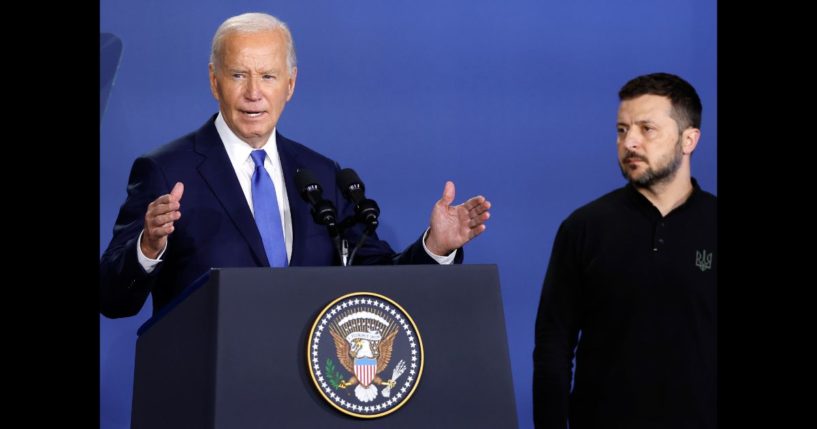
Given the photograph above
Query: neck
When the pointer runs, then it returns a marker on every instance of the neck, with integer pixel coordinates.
(257, 142)
(668, 195)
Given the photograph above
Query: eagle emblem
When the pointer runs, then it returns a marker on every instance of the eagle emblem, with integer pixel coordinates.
(365, 351)
(355, 370)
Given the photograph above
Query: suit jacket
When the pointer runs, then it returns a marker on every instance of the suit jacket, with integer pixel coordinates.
(217, 228)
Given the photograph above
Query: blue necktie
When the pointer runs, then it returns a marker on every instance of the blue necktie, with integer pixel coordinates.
(267, 216)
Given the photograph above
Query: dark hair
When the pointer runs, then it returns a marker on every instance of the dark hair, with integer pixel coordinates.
(686, 105)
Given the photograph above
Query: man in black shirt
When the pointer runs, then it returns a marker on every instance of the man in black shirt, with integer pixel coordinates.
(631, 284)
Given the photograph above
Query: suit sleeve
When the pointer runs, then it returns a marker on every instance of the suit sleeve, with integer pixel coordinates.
(123, 283)
(378, 252)
(557, 326)
(414, 254)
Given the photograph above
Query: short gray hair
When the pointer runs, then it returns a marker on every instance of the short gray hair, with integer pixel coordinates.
(252, 23)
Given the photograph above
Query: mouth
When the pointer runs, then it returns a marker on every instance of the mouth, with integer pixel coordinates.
(252, 113)
(633, 159)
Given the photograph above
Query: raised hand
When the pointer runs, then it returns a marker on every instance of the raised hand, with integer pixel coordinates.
(453, 226)
(159, 219)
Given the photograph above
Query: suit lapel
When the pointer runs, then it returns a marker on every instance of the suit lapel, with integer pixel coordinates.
(219, 174)
(299, 210)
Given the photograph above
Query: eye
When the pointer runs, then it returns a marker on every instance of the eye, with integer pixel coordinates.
(238, 75)
(648, 129)
(269, 77)
(621, 130)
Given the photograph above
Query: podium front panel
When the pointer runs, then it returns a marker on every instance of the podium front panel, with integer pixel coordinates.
(233, 354)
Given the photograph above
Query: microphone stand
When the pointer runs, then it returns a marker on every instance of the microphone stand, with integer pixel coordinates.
(346, 258)
(344, 253)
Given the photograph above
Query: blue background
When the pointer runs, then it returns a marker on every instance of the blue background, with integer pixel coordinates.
(512, 99)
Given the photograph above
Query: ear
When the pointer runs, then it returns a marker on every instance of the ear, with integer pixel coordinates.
(689, 140)
(213, 82)
(292, 77)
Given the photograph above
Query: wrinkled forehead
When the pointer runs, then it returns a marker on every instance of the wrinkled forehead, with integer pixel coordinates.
(268, 46)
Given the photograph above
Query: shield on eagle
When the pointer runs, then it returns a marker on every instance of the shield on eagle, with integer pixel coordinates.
(365, 370)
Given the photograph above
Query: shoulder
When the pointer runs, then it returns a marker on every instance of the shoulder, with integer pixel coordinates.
(702, 201)
(303, 155)
(702, 196)
(600, 208)
(707, 199)
(185, 148)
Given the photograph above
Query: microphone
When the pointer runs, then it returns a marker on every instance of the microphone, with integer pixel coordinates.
(353, 189)
(323, 211)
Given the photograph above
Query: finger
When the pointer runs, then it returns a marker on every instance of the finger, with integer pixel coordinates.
(157, 208)
(479, 220)
(448, 193)
(480, 208)
(171, 199)
(162, 231)
(474, 202)
(177, 191)
(476, 231)
(160, 215)
(168, 207)
(166, 218)
(168, 228)
(158, 230)
(155, 218)
(164, 199)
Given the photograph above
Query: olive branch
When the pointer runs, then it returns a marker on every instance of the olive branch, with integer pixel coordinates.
(332, 374)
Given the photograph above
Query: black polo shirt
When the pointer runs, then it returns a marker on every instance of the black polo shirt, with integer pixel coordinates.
(641, 289)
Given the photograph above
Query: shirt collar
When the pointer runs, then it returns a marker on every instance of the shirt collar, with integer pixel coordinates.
(238, 150)
(641, 201)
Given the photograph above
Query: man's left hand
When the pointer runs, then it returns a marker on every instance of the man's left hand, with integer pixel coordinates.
(453, 226)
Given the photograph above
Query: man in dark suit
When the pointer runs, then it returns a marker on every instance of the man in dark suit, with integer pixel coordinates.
(210, 175)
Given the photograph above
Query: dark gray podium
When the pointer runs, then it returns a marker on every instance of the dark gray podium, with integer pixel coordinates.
(232, 353)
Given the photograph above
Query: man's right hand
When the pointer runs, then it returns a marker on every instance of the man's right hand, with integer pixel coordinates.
(159, 221)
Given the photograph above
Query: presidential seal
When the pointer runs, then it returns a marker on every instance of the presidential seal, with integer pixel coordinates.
(365, 355)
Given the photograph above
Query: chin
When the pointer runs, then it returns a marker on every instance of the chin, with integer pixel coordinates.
(254, 133)
(636, 175)
(633, 175)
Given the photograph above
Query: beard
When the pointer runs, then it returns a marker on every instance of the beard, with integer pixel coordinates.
(665, 169)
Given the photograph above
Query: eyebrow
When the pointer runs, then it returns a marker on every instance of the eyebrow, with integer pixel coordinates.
(245, 70)
(641, 122)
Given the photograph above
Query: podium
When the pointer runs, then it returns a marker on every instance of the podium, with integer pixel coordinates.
(232, 353)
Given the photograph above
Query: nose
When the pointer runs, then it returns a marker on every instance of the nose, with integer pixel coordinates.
(630, 139)
(252, 89)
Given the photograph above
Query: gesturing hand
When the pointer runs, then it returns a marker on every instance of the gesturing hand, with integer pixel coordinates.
(453, 226)
(159, 219)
